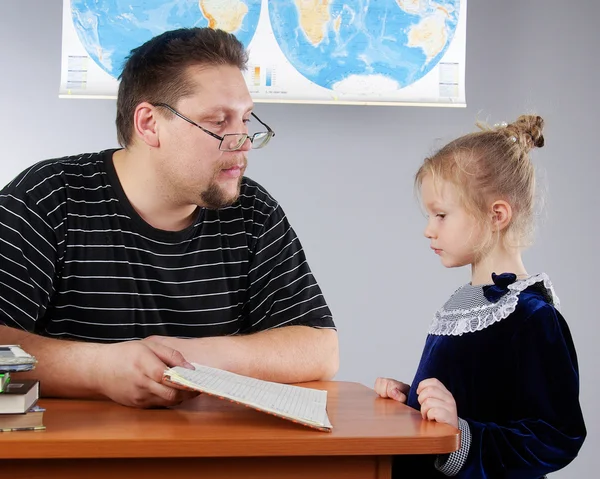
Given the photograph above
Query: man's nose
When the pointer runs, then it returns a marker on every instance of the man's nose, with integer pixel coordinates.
(247, 145)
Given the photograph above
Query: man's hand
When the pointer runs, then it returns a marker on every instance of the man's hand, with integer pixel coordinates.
(437, 403)
(390, 388)
(130, 373)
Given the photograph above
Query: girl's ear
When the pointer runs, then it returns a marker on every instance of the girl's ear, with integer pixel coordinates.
(501, 213)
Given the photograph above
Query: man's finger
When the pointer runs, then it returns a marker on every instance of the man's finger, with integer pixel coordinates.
(169, 356)
(161, 395)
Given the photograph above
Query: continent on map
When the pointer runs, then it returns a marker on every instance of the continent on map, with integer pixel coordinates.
(226, 15)
(430, 35)
(314, 16)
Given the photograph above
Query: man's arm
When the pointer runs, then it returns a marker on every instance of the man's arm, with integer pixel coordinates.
(128, 373)
(33, 228)
(289, 354)
(64, 368)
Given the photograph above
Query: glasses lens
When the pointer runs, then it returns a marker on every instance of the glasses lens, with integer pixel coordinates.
(233, 141)
(259, 140)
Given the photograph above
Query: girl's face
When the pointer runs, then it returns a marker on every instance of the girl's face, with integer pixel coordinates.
(454, 234)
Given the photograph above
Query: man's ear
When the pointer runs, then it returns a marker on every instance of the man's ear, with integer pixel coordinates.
(145, 124)
(501, 213)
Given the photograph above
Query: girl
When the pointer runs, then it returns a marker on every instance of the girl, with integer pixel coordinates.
(499, 362)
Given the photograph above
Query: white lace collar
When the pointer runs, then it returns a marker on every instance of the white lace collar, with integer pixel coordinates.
(455, 322)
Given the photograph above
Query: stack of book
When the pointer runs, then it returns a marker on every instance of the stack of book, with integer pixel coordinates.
(18, 398)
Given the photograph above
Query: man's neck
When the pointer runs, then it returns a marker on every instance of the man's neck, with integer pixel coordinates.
(499, 260)
(146, 193)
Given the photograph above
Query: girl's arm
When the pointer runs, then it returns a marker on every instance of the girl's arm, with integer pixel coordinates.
(546, 397)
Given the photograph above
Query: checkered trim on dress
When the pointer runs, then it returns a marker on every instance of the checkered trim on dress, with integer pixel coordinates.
(468, 310)
(450, 465)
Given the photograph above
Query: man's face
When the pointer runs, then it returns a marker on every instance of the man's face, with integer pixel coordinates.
(194, 170)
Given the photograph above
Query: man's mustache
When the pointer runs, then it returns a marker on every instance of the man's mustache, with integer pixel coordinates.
(241, 161)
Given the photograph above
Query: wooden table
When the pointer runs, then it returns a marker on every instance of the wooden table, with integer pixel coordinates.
(211, 437)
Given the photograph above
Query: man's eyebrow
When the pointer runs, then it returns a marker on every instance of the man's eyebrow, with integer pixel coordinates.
(221, 111)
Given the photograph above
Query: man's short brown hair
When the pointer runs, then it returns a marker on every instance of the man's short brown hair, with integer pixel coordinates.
(155, 72)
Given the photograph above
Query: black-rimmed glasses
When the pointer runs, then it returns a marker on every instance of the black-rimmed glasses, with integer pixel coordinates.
(230, 141)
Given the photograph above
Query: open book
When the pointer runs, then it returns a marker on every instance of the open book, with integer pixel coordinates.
(298, 404)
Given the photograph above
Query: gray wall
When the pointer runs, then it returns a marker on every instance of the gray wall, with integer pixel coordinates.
(344, 174)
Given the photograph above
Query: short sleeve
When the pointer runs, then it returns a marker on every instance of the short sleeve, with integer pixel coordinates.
(283, 290)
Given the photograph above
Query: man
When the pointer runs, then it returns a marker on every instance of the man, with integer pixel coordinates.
(115, 265)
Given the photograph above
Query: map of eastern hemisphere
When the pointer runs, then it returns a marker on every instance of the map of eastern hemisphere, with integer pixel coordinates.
(364, 45)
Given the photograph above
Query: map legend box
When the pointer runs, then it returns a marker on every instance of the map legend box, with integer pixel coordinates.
(77, 70)
(271, 77)
(256, 76)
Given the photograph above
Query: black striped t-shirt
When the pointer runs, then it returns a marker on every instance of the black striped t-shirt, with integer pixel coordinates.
(77, 261)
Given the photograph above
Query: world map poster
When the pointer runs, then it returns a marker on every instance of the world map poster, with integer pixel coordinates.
(300, 51)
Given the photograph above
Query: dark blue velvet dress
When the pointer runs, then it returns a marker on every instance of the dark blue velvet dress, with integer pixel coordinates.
(510, 363)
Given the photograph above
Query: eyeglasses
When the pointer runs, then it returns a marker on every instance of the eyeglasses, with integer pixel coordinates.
(230, 141)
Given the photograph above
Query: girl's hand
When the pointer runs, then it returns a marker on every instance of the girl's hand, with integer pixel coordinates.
(390, 388)
(437, 403)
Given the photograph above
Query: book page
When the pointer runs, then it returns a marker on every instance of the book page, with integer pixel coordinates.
(294, 402)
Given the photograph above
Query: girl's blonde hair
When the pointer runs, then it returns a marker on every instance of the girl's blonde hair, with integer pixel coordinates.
(491, 165)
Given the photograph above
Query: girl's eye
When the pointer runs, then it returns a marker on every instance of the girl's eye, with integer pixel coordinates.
(441, 215)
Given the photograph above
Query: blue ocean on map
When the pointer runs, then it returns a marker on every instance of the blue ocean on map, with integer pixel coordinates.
(353, 45)
(110, 29)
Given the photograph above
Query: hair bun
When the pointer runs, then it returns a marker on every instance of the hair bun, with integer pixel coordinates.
(528, 129)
